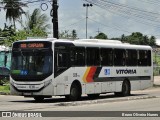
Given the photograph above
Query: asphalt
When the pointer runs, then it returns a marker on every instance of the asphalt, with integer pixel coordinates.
(137, 95)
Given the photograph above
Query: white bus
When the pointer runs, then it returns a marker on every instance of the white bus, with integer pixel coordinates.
(43, 68)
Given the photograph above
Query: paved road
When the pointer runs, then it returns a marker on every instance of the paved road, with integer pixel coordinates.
(21, 103)
(145, 100)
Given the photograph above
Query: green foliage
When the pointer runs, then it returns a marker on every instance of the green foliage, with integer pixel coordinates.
(68, 35)
(139, 39)
(35, 20)
(5, 89)
(8, 32)
(74, 34)
(101, 36)
(13, 9)
(10, 35)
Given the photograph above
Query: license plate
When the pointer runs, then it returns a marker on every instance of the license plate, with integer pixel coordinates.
(32, 87)
(27, 93)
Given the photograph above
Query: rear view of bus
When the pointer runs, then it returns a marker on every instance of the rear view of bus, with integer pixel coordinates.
(32, 68)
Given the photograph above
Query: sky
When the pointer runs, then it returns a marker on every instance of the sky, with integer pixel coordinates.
(137, 16)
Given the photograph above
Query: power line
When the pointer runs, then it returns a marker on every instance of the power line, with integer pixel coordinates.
(117, 28)
(154, 2)
(125, 10)
(74, 23)
(148, 23)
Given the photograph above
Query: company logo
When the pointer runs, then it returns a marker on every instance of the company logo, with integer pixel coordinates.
(24, 72)
(126, 71)
(6, 114)
(21, 114)
(107, 71)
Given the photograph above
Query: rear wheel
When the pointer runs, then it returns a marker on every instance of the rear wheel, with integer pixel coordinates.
(75, 93)
(125, 89)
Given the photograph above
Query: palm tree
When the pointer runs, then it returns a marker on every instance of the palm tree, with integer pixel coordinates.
(36, 20)
(13, 10)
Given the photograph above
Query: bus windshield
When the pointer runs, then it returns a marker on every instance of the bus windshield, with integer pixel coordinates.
(31, 63)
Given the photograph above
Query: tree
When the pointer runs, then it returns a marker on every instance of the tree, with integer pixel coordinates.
(68, 35)
(101, 36)
(6, 34)
(10, 35)
(138, 39)
(145, 40)
(74, 34)
(13, 10)
(36, 20)
(152, 41)
(123, 38)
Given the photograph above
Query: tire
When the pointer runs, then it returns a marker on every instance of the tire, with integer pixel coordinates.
(75, 93)
(125, 89)
(93, 96)
(38, 98)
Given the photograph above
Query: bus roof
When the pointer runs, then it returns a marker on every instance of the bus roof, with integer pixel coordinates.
(93, 43)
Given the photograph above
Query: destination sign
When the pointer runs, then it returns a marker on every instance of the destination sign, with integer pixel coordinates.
(31, 45)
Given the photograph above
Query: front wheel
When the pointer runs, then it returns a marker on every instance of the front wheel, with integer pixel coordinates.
(75, 93)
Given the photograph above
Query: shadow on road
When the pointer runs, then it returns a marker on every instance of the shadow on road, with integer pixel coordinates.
(83, 98)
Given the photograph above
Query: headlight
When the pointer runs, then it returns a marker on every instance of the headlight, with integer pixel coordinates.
(47, 82)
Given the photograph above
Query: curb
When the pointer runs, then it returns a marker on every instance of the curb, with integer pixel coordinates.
(77, 103)
(4, 93)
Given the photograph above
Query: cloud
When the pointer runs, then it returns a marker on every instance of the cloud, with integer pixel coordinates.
(72, 15)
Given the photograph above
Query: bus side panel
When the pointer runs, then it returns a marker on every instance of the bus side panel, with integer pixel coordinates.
(60, 82)
(119, 86)
(145, 84)
(135, 85)
(97, 87)
(64, 81)
(105, 87)
(90, 88)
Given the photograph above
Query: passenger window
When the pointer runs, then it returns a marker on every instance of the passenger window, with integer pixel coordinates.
(149, 58)
(131, 57)
(119, 57)
(143, 58)
(93, 57)
(106, 57)
(77, 56)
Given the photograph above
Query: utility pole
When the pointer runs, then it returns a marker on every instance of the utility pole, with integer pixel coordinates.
(54, 14)
(87, 5)
(98, 31)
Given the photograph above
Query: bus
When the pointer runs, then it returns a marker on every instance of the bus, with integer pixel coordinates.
(5, 57)
(42, 68)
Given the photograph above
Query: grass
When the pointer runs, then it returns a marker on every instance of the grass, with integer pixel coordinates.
(5, 89)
